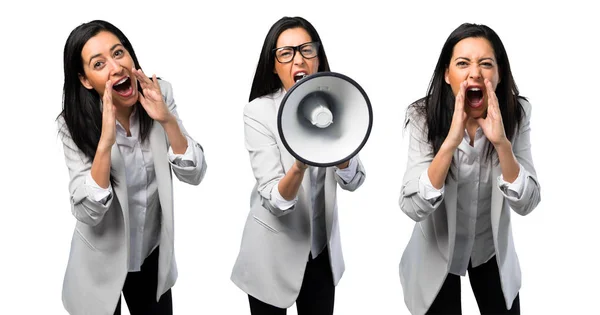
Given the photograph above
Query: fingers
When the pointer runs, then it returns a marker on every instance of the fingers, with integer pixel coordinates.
(460, 97)
(481, 123)
(301, 165)
(492, 100)
(148, 96)
(141, 78)
(142, 99)
(145, 82)
(491, 94)
(107, 97)
(155, 82)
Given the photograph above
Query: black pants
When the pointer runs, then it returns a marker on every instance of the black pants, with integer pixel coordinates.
(485, 282)
(316, 294)
(140, 291)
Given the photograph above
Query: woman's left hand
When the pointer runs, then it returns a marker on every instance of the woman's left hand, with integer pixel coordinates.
(152, 99)
(343, 165)
(492, 125)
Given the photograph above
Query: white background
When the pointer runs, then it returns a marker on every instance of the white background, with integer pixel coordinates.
(209, 53)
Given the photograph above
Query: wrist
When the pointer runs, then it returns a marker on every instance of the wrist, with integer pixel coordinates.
(104, 146)
(503, 146)
(449, 147)
(169, 120)
(102, 154)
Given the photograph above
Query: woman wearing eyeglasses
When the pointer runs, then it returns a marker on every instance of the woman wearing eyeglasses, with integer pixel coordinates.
(290, 249)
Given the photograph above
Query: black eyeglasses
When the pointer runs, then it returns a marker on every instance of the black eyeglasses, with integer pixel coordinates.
(307, 50)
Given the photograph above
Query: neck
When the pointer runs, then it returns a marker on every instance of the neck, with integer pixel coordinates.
(471, 124)
(122, 115)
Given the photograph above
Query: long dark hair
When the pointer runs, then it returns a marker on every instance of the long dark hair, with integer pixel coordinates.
(438, 106)
(265, 80)
(81, 106)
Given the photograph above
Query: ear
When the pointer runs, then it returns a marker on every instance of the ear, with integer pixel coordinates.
(446, 77)
(84, 81)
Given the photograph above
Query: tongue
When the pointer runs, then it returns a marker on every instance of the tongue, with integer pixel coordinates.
(474, 97)
(123, 86)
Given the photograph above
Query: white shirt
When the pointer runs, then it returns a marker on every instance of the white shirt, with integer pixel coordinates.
(317, 183)
(474, 237)
(142, 190)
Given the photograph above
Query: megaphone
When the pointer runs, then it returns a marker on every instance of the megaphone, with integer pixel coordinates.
(325, 119)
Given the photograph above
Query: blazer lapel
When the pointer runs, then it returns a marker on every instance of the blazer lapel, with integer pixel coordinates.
(451, 195)
(497, 202)
(117, 163)
(158, 145)
(330, 196)
(451, 202)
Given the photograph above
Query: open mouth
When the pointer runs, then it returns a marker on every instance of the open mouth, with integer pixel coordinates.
(123, 87)
(299, 76)
(474, 96)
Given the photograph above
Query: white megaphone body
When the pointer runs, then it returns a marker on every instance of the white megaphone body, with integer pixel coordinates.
(325, 119)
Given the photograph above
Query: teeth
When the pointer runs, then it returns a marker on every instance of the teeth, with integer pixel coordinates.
(299, 76)
(121, 81)
(475, 89)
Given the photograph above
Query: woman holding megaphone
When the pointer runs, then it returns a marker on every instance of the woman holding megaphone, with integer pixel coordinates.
(290, 250)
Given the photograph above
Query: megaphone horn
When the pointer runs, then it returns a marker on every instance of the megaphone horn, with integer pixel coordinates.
(325, 119)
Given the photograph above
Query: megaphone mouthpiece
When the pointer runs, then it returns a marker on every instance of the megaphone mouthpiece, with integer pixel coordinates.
(317, 111)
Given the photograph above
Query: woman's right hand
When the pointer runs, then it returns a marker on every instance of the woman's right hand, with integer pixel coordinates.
(109, 125)
(459, 119)
(301, 166)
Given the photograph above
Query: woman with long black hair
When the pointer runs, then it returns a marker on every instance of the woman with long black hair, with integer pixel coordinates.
(469, 163)
(291, 250)
(121, 137)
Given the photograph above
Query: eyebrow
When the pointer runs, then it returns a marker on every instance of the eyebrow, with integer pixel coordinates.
(100, 54)
(278, 48)
(486, 58)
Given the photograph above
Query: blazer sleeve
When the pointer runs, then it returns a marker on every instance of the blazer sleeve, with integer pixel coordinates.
(530, 197)
(83, 206)
(420, 155)
(191, 174)
(265, 157)
(356, 181)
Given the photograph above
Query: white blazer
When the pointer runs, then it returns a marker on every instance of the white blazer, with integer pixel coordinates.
(98, 261)
(275, 245)
(427, 257)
